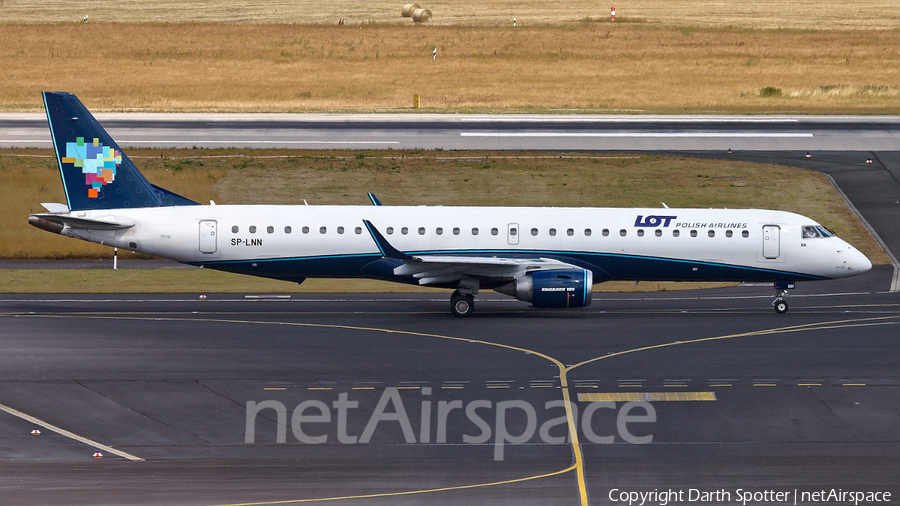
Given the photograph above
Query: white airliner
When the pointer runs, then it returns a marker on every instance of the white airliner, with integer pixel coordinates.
(550, 257)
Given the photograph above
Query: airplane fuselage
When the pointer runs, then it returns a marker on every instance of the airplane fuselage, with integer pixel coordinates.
(297, 242)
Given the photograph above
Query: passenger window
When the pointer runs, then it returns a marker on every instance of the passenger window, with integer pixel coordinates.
(475, 231)
(623, 232)
(640, 232)
(534, 231)
(552, 232)
(605, 232)
(513, 231)
(439, 231)
(404, 230)
(252, 229)
(494, 231)
(287, 230)
(234, 229)
(390, 230)
(745, 234)
(711, 233)
(728, 233)
(570, 232)
(305, 230)
(676, 233)
(455, 230)
(421, 230)
(358, 230)
(322, 230)
(340, 230)
(270, 229)
(658, 233)
(587, 232)
(693, 233)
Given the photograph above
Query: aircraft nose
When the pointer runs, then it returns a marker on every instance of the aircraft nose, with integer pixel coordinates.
(861, 263)
(851, 261)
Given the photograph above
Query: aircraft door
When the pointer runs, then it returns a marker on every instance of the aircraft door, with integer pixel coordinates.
(771, 241)
(512, 233)
(207, 236)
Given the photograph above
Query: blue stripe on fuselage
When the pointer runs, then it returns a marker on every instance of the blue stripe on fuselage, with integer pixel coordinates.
(613, 266)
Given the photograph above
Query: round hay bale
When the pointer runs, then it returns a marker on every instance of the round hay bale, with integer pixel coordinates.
(407, 10)
(421, 15)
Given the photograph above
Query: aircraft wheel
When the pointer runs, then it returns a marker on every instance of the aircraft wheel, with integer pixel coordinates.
(781, 306)
(462, 305)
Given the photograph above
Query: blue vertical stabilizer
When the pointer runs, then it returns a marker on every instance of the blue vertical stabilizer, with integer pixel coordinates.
(96, 173)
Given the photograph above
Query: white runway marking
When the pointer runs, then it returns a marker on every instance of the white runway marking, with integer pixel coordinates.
(238, 141)
(630, 119)
(718, 135)
(64, 432)
(143, 141)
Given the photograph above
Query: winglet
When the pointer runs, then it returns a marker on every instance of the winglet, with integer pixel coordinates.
(384, 247)
(374, 199)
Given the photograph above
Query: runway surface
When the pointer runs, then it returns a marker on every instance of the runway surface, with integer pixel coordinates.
(481, 132)
(796, 402)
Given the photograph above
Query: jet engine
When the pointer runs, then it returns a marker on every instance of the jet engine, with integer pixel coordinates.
(558, 288)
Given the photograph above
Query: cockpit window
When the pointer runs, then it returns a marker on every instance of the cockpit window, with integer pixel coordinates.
(815, 232)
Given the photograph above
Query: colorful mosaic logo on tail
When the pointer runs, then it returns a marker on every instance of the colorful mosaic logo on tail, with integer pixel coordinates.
(97, 162)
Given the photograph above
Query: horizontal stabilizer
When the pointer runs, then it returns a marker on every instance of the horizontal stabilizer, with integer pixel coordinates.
(55, 222)
(54, 207)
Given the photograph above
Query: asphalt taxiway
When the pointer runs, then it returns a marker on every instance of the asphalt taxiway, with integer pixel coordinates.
(801, 401)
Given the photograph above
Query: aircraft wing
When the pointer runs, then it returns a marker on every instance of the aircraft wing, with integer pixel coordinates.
(437, 269)
(447, 268)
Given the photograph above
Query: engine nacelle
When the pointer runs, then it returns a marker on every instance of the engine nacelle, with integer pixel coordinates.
(560, 288)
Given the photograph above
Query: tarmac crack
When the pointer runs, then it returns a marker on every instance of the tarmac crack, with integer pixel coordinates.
(145, 415)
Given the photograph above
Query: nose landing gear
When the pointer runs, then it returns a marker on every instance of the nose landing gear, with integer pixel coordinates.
(780, 305)
(781, 288)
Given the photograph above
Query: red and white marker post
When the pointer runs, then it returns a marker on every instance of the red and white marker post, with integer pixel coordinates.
(612, 13)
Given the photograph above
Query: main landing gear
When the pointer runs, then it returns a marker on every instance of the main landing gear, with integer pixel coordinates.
(781, 288)
(462, 305)
(462, 302)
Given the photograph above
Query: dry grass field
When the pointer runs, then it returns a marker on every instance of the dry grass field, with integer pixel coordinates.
(29, 177)
(802, 14)
(586, 66)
